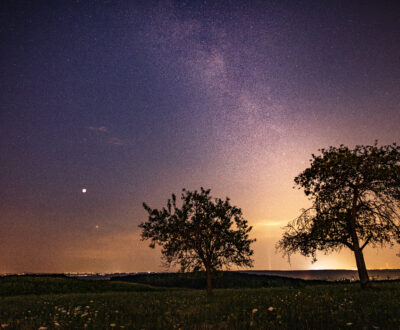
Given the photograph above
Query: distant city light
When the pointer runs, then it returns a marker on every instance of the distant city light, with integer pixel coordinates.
(84, 190)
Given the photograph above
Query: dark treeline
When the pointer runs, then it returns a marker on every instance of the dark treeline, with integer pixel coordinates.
(221, 280)
(59, 284)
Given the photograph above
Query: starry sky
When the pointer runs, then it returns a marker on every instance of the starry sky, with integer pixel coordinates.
(134, 100)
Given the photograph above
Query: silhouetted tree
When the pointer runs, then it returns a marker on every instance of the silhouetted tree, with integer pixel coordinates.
(356, 202)
(202, 234)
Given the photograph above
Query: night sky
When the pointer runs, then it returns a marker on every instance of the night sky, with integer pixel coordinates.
(136, 100)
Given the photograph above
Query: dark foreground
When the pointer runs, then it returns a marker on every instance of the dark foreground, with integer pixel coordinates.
(116, 305)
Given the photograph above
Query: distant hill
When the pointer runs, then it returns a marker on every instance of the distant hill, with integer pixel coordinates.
(221, 280)
(47, 284)
(330, 274)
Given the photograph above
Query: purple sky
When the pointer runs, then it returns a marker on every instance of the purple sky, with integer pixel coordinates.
(136, 100)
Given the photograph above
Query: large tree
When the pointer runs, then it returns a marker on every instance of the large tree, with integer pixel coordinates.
(355, 196)
(202, 234)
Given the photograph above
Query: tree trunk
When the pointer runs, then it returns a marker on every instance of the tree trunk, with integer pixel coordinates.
(209, 281)
(362, 269)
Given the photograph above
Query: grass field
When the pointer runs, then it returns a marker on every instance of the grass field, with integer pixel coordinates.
(108, 305)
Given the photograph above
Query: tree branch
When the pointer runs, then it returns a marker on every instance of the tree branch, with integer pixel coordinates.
(366, 242)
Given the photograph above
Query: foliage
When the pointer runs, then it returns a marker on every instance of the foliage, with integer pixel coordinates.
(202, 234)
(353, 192)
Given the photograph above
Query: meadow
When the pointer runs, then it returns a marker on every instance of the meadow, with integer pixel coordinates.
(66, 303)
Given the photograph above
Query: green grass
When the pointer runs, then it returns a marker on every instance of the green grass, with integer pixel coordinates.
(332, 306)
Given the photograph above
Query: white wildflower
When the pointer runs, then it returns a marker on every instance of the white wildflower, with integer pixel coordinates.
(255, 310)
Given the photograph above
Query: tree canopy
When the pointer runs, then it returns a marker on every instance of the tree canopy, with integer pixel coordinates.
(355, 196)
(201, 234)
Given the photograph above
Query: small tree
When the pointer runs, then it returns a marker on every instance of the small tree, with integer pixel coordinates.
(356, 202)
(203, 234)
